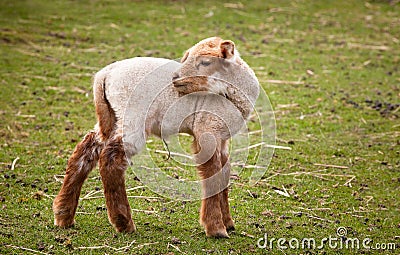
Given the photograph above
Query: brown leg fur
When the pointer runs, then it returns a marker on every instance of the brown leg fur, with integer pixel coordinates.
(226, 215)
(113, 164)
(105, 114)
(210, 214)
(81, 162)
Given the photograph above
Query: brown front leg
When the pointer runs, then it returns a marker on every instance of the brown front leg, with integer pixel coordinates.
(226, 215)
(113, 164)
(210, 214)
(81, 162)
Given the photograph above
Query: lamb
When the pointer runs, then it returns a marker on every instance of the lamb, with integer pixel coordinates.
(211, 93)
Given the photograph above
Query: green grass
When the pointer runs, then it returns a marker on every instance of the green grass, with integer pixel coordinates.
(346, 113)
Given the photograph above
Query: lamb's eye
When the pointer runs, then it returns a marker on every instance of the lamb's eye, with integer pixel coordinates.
(205, 63)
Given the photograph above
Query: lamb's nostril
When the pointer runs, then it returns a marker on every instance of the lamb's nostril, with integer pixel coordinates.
(175, 76)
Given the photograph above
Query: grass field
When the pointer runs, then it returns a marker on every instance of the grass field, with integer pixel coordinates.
(337, 106)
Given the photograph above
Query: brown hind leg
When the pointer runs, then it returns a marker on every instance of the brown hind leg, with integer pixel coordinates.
(113, 164)
(81, 162)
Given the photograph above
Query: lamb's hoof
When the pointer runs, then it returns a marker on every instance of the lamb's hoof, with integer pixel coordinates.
(220, 233)
(63, 221)
(131, 227)
(230, 225)
(230, 228)
(63, 218)
(128, 228)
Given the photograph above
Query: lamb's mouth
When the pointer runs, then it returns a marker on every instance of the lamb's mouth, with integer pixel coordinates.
(179, 84)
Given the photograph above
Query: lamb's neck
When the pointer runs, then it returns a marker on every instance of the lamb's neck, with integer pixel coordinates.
(240, 86)
(239, 100)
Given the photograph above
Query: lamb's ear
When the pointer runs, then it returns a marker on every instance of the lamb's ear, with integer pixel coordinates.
(227, 49)
(185, 56)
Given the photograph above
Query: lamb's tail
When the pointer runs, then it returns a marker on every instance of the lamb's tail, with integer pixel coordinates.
(105, 114)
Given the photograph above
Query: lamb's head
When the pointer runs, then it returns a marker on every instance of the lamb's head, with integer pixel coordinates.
(208, 58)
(215, 65)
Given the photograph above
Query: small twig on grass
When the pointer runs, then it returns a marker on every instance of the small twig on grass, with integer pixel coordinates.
(135, 188)
(251, 132)
(90, 194)
(31, 116)
(283, 193)
(60, 89)
(285, 82)
(144, 211)
(265, 145)
(175, 247)
(348, 183)
(95, 247)
(28, 53)
(315, 209)
(331, 166)
(250, 194)
(121, 249)
(145, 197)
(246, 234)
(250, 147)
(25, 249)
(80, 91)
(318, 218)
(357, 216)
(59, 177)
(356, 211)
(106, 246)
(369, 198)
(367, 47)
(282, 106)
(13, 163)
(278, 147)
(137, 247)
(142, 197)
(47, 195)
(319, 175)
(238, 5)
(78, 75)
(270, 177)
